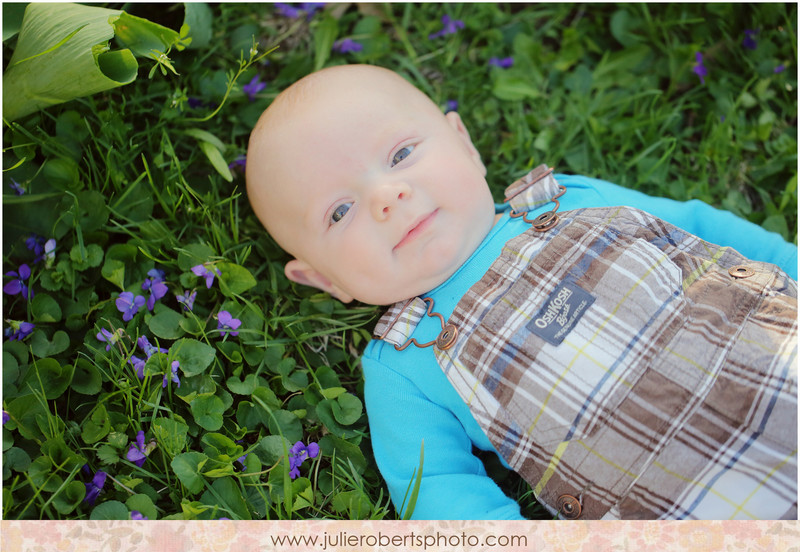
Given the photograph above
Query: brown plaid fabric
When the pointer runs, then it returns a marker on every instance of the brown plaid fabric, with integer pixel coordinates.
(628, 369)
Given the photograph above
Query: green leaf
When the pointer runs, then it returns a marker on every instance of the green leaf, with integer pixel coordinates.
(144, 37)
(142, 504)
(166, 324)
(170, 434)
(207, 410)
(97, 426)
(272, 448)
(110, 510)
(193, 355)
(42, 475)
(69, 497)
(61, 455)
(49, 376)
(325, 34)
(88, 257)
(234, 279)
(245, 387)
(16, 459)
(287, 424)
(199, 18)
(226, 494)
(42, 347)
(87, 378)
(187, 467)
(45, 309)
(347, 409)
(217, 160)
(71, 68)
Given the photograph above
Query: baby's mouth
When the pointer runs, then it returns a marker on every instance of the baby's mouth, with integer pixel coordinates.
(416, 229)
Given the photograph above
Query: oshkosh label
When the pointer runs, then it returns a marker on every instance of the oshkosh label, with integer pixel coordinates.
(561, 313)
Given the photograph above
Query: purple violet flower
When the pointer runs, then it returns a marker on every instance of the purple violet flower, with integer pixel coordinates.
(18, 285)
(238, 163)
(779, 69)
(17, 331)
(19, 190)
(452, 105)
(253, 87)
(202, 270)
(227, 323)
(147, 348)
(138, 451)
(138, 365)
(155, 283)
(503, 63)
(287, 10)
(699, 69)
(7, 417)
(109, 338)
(346, 46)
(95, 487)
(187, 299)
(137, 515)
(293, 12)
(298, 454)
(36, 244)
(749, 41)
(175, 378)
(449, 26)
(129, 305)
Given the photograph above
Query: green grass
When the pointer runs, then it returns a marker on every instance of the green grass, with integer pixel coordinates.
(124, 183)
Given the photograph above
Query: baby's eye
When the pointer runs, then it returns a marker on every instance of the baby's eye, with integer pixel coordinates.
(339, 213)
(401, 154)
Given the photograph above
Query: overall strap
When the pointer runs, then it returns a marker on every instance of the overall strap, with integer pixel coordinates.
(533, 190)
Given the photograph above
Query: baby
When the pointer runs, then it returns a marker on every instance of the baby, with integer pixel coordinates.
(623, 366)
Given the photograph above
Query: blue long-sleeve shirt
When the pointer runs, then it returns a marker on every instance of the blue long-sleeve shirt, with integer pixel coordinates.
(409, 399)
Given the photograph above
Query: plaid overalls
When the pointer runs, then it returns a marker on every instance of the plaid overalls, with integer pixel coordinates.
(626, 368)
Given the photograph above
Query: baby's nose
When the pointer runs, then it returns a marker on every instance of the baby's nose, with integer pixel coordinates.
(386, 198)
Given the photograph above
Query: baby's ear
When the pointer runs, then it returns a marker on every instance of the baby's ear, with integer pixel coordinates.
(455, 121)
(303, 273)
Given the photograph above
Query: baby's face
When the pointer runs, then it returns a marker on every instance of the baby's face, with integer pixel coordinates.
(378, 195)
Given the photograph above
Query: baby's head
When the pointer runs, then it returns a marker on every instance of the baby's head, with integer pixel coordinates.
(375, 192)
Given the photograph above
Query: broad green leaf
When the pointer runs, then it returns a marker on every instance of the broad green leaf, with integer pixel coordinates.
(272, 448)
(245, 387)
(49, 376)
(42, 474)
(45, 309)
(86, 378)
(81, 66)
(193, 355)
(166, 324)
(69, 497)
(226, 493)
(283, 422)
(347, 409)
(187, 467)
(110, 510)
(16, 459)
(63, 458)
(199, 18)
(234, 279)
(170, 434)
(207, 410)
(97, 426)
(142, 504)
(43, 347)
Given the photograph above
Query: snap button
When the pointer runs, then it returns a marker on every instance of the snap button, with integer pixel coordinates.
(447, 337)
(569, 507)
(741, 271)
(545, 221)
